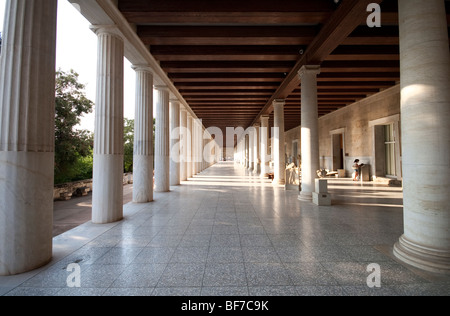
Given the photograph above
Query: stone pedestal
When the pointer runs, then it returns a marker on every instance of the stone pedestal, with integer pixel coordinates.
(162, 141)
(309, 130)
(425, 111)
(175, 157)
(107, 197)
(321, 197)
(143, 137)
(278, 143)
(27, 114)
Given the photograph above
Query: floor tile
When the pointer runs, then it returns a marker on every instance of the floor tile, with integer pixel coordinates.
(321, 291)
(154, 255)
(225, 274)
(225, 291)
(225, 255)
(260, 254)
(128, 292)
(182, 275)
(140, 276)
(267, 274)
(176, 291)
(273, 291)
(190, 255)
(309, 274)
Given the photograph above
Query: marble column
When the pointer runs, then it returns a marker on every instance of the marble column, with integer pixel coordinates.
(107, 195)
(256, 158)
(143, 136)
(194, 147)
(247, 151)
(183, 148)
(175, 142)
(264, 143)
(425, 111)
(309, 130)
(278, 143)
(251, 148)
(27, 119)
(189, 131)
(162, 141)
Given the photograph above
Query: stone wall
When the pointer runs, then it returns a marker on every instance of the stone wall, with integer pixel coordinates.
(356, 122)
(66, 191)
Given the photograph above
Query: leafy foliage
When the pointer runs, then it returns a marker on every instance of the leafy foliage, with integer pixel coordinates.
(128, 140)
(73, 148)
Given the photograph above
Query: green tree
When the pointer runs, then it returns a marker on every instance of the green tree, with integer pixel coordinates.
(128, 141)
(72, 146)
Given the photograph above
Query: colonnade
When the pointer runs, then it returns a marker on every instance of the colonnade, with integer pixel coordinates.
(27, 77)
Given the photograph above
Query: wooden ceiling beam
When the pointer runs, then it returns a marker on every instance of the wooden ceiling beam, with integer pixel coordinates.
(348, 16)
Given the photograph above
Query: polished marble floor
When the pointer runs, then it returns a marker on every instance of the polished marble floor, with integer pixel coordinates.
(228, 233)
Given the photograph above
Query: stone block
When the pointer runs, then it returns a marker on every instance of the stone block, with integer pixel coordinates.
(321, 199)
(321, 186)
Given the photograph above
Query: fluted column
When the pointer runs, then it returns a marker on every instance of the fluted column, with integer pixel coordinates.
(247, 160)
(194, 147)
(251, 148)
(175, 144)
(309, 130)
(189, 131)
(425, 110)
(279, 151)
(256, 158)
(27, 114)
(107, 196)
(264, 140)
(143, 136)
(183, 143)
(162, 141)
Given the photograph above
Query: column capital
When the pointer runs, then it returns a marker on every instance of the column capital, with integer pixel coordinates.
(106, 29)
(174, 101)
(279, 102)
(142, 68)
(161, 88)
(309, 69)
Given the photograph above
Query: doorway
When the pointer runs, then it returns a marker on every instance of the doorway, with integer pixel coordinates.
(337, 143)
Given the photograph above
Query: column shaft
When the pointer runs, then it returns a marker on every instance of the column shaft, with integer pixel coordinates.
(27, 114)
(189, 131)
(143, 137)
(183, 149)
(251, 148)
(162, 141)
(279, 150)
(264, 146)
(256, 162)
(175, 142)
(309, 130)
(107, 196)
(425, 110)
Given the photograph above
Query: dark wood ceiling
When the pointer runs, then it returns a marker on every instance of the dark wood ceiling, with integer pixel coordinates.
(230, 59)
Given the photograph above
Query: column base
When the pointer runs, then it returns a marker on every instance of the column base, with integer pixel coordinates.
(425, 258)
(305, 196)
(279, 182)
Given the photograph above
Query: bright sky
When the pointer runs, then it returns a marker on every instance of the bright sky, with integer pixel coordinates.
(77, 50)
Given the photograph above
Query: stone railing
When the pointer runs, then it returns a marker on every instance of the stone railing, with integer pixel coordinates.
(64, 192)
